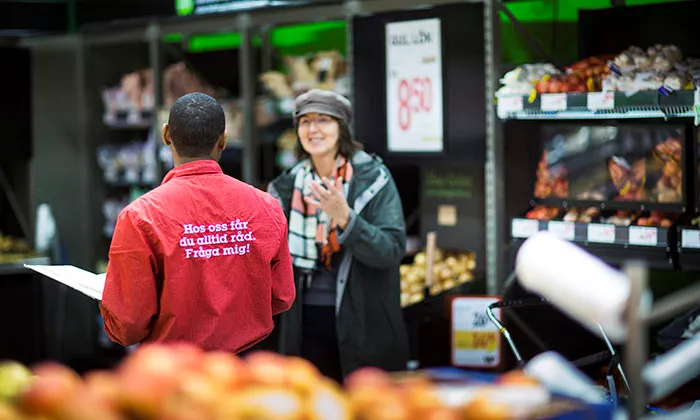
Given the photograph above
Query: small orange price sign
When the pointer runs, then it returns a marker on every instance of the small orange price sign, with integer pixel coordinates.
(476, 340)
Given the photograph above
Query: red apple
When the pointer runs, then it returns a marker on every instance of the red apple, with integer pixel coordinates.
(327, 402)
(225, 370)
(104, 386)
(8, 412)
(516, 377)
(301, 375)
(269, 403)
(266, 368)
(51, 388)
(368, 377)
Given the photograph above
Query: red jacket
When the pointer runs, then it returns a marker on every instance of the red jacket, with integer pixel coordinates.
(202, 258)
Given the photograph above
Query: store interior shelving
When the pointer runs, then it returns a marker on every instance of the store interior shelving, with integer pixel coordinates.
(611, 87)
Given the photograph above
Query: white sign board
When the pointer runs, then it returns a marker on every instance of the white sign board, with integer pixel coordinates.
(414, 86)
(476, 341)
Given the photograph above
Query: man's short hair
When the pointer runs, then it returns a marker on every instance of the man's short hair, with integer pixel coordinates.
(196, 122)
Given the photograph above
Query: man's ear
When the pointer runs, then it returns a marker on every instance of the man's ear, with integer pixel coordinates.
(165, 135)
(221, 143)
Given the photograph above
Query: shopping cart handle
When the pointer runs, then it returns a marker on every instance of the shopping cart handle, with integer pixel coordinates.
(515, 303)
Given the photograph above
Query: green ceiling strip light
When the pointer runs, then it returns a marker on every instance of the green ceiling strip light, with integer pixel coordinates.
(173, 38)
(316, 36)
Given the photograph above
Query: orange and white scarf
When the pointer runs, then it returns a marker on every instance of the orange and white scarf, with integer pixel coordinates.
(309, 227)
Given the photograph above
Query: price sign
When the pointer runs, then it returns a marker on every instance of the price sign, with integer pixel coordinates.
(645, 236)
(564, 230)
(601, 100)
(602, 234)
(553, 102)
(414, 86)
(508, 104)
(690, 238)
(475, 338)
(524, 228)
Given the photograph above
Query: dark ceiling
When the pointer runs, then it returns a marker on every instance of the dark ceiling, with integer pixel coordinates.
(30, 17)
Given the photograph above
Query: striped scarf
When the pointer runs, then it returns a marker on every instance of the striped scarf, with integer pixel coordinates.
(309, 227)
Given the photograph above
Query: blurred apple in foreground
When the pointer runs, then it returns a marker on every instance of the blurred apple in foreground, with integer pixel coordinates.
(8, 412)
(104, 386)
(301, 375)
(327, 402)
(368, 377)
(266, 368)
(14, 377)
(224, 370)
(53, 387)
(266, 403)
(516, 377)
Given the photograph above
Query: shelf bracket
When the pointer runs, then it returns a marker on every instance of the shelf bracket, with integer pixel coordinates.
(248, 83)
(10, 194)
(493, 169)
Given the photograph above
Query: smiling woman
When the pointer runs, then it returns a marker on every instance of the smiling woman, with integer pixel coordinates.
(347, 238)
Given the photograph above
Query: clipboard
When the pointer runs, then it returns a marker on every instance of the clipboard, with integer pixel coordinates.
(83, 281)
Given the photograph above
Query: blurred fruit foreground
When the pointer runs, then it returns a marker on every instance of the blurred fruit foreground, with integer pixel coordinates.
(181, 382)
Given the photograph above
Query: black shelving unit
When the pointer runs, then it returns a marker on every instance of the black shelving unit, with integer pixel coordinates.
(599, 106)
(689, 248)
(660, 247)
(612, 243)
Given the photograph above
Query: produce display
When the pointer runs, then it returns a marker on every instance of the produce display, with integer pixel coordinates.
(134, 95)
(13, 250)
(630, 163)
(596, 215)
(551, 182)
(182, 382)
(659, 67)
(128, 163)
(450, 269)
(323, 70)
(10, 245)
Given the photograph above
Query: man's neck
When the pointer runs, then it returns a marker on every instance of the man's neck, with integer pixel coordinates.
(182, 160)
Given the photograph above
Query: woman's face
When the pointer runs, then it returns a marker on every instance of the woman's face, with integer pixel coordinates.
(319, 135)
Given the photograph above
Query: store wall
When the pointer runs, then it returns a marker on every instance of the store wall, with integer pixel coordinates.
(60, 178)
(15, 126)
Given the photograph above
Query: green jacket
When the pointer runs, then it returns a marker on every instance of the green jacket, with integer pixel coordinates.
(369, 319)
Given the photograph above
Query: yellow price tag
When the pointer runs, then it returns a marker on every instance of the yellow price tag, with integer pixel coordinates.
(476, 340)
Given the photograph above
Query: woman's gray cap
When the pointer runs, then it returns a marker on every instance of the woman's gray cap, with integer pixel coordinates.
(325, 102)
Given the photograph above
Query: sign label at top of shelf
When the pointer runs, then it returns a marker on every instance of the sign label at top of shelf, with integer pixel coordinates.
(208, 7)
(642, 235)
(524, 228)
(601, 233)
(414, 86)
(690, 238)
(601, 100)
(564, 230)
(553, 102)
(508, 104)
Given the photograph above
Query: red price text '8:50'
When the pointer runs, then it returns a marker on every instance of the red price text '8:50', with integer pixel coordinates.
(415, 96)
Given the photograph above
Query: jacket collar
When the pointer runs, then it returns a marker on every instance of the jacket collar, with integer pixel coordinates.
(197, 167)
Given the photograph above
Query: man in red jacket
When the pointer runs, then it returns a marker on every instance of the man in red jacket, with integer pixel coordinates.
(202, 258)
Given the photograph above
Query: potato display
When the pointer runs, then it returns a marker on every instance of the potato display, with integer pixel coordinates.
(449, 270)
(8, 244)
(179, 381)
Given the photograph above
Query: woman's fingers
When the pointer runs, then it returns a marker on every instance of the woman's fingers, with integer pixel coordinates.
(312, 202)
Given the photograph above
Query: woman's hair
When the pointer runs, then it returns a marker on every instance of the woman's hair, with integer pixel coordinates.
(346, 145)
